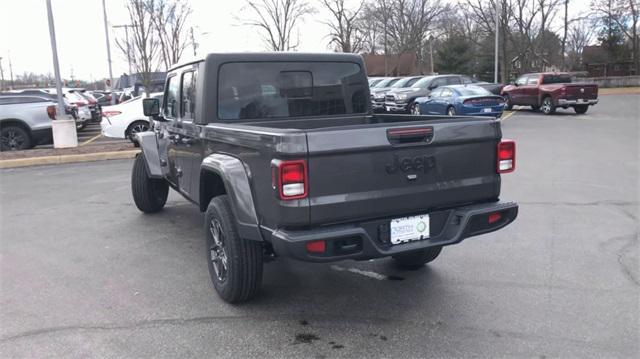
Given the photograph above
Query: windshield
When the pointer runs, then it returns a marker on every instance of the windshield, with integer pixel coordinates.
(386, 83)
(472, 91)
(423, 82)
(249, 90)
(405, 82)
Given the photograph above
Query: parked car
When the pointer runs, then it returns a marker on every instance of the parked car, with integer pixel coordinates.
(284, 165)
(401, 100)
(70, 108)
(374, 80)
(468, 100)
(550, 90)
(84, 113)
(92, 103)
(103, 98)
(25, 121)
(125, 120)
(378, 90)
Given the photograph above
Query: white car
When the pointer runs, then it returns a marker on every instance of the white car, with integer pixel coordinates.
(126, 119)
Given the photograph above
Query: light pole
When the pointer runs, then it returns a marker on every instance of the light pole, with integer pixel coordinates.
(495, 61)
(126, 35)
(106, 35)
(1, 75)
(431, 53)
(63, 128)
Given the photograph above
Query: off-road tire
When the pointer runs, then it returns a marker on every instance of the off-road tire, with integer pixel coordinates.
(581, 109)
(547, 107)
(415, 260)
(149, 194)
(244, 257)
(508, 105)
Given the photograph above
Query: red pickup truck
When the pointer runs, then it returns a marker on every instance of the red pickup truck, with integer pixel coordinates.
(548, 91)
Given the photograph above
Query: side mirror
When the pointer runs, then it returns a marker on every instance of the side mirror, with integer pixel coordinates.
(515, 84)
(151, 108)
(432, 86)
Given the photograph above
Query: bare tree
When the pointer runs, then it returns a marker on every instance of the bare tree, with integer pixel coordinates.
(580, 34)
(345, 32)
(370, 28)
(144, 43)
(277, 19)
(169, 19)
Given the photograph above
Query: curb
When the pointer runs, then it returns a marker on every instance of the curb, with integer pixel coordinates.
(60, 159)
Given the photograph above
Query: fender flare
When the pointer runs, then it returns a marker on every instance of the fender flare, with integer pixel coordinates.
(149, 146)
(238, 189)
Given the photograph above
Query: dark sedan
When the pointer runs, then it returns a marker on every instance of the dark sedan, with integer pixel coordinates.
(469, 100)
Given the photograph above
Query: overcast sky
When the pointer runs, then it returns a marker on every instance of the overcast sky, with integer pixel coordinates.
(81, 41)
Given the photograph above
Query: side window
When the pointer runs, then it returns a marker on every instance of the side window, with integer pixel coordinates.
(438, 82)
(453, 80)
(436, 93)
(466, 80)
(522, 80)
(446, 93)
(171, 95)
(533, 80)
(188, 95)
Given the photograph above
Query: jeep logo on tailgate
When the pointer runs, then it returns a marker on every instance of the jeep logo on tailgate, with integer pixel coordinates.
(411, 164)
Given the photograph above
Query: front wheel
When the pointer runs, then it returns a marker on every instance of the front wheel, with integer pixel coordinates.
(135, 128)
(235, 263)
(508, 104)
(414, 260)
(581, 109)
(149, 194)
(451, 111)
(548, 107)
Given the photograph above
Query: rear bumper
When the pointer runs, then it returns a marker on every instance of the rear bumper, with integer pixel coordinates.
(370, 239)
(565, 102)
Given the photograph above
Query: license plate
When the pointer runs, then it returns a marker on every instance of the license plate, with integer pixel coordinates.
(409, 229)
(487, 109)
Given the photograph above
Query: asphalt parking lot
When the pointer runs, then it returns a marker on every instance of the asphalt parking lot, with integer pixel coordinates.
(83, 273)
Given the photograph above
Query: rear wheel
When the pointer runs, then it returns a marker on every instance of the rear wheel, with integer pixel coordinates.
(508, 105)
(149, 194)
(451, 111)
(134, 128)
(235, 263)
(581, 109)
(547, 106)
(13, 138)
(414, 260)
(415, 109)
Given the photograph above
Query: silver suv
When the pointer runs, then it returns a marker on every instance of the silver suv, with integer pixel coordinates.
(25, 121)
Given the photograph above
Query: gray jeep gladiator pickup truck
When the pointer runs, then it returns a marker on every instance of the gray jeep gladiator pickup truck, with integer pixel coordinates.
(284, 156)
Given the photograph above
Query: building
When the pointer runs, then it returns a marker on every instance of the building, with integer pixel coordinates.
(598, 63)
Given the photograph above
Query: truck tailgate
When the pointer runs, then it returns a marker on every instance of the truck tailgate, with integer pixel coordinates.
(577, 91)
(385, 170)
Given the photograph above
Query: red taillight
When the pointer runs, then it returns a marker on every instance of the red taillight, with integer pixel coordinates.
(494, 217)
(110, 113)
(51, 112)
(292, 179)
(316, 246)
(506, 156)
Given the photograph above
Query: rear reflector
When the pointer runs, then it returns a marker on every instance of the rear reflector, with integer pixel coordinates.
(506, 154)
(316, 247)
(494, 217)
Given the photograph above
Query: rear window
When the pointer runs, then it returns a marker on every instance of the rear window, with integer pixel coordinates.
(556, 79)
(290, 89)
(472, 91)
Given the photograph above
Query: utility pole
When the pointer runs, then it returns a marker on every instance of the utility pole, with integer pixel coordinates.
(126, 35)
(194, 44)
(2, 75)
(10, 72)
(63, 128)
(431, 53)
(495, 64)
(106, 35)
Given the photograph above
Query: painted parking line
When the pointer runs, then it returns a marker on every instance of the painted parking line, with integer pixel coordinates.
(508, 115)
(91, 139)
